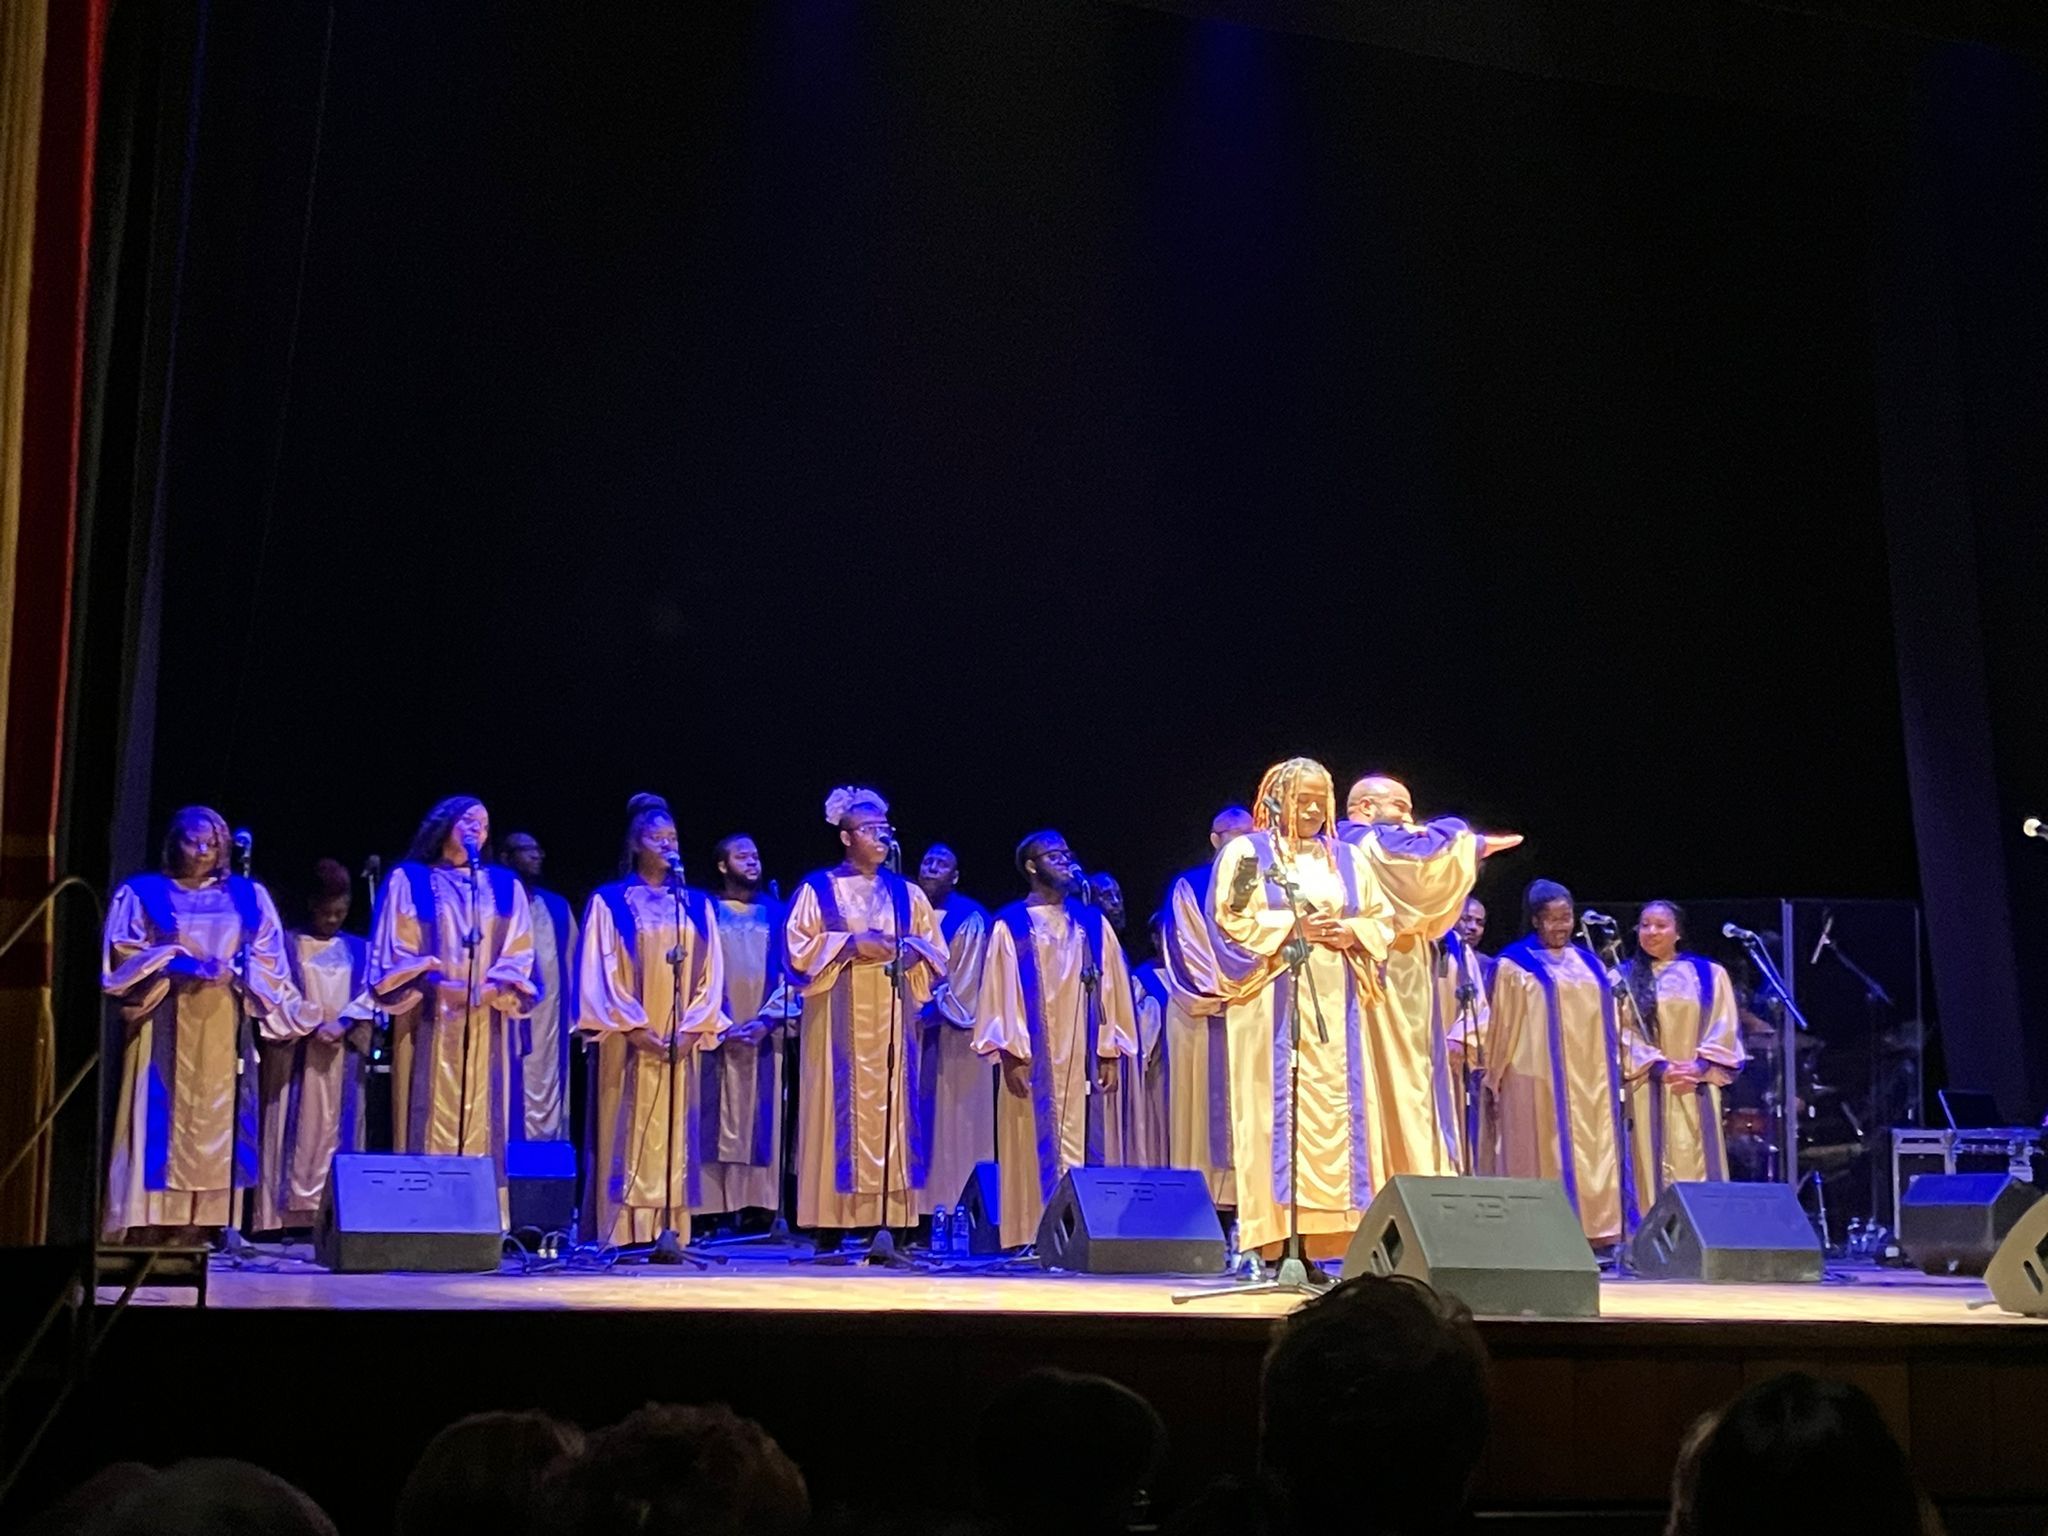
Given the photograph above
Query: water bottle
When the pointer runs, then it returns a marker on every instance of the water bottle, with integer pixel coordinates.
(963, 1246)
(942, 1231)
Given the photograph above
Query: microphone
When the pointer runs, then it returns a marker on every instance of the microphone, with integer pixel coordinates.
(1827, 927)
(674, 860)
(2033, 827)
(1597, 920)
(1272, 807)
(472, 852)
(775, 892)
(373, 870)
(245, 843)
(1731, 931)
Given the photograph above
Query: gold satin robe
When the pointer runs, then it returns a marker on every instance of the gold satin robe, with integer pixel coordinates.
(1002, 1025)
(1199, 1129)
(963, 1128)
(1337, 1085)
(312, 1090)
(420, 980)
(1427, 873)
(179, 1055)
(1678, 1130)
(1525, 1064)
(1136, 1108)
(544, 1089)
(732, 1181)
(640, 1163)
(853, 1024)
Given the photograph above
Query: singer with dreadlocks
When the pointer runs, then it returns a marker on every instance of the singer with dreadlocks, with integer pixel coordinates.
(313, 1078)
(860, 1149)
(190, 951)
(1322, 973)
(1056, 1010)
(451, 963)
(1683, 1047)
(650, 988)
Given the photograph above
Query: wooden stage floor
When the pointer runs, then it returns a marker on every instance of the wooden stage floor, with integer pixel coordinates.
(1589, 1412)
(1856, 1299)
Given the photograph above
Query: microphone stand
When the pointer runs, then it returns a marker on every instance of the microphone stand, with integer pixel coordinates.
(1298, 1274)
(1775, 980)
(233, 1245)
(1876, 1004)
(380, 1021)
(1624, 1111)
(1471, 1069)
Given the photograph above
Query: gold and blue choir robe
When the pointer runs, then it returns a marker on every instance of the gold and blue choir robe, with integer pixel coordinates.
(641, 1174)
(1137, 1106)
(1056, 995)
(853, 1111)
(739, 1082)
(957, 1085)
(1426, 872)
(1678, 1128)
(1552, 1065)
(419, 974)
(313, 1089)
(1337, 1178)
(184, 1136)
(542, 1037)
(1197, 1040)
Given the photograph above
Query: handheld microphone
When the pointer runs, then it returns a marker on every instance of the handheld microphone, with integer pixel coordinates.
(2033, 827)
(1827, 927)
(1731, 931)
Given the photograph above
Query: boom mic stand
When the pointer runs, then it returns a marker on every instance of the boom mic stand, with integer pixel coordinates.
(1298, 1275)
(1760, 957)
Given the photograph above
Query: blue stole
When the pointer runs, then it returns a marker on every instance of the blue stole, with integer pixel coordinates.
(153, 892)
(711, 1074)
(1525, 954)
(839, 1016)
(1017, 918)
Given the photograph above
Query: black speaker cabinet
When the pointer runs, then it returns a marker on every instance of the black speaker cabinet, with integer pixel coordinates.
(1505, 1247)
(2018, 1272)
(540, 1185)
(1952, 1223)
(982, 1195)
(1727, 1234)
(386, 1210)
(1131, 1221)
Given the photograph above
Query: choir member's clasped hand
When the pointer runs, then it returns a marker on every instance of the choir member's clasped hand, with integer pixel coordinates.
(1327, 932)
(874, 945)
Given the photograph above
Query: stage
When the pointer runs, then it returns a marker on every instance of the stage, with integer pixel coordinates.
(856, 1370)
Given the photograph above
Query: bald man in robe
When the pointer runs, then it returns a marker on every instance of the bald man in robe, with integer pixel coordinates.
(1197, 1049)
(1427, 871)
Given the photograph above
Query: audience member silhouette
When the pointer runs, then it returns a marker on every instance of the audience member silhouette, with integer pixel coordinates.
(478, 1477)
(667, 1470)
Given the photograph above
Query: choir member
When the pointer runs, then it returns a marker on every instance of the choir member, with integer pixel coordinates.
(650, 989)
(1127, 1120)
(1056, 1011)
(1551, 1063)
(190, 951)
(860, 1150)
(1324, 973)
(1426, 871)
(958, 1087)
(1142, 1092)
(542, 1037)
(312, 1083)
(1464, 988)
(739, 1083)
(1684, 1047)
(451, 964)
(1197, 1048)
